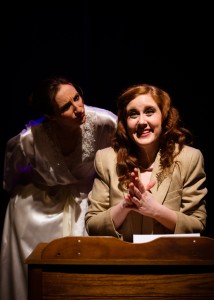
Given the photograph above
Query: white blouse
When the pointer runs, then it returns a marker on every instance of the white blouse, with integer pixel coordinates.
(48, 191)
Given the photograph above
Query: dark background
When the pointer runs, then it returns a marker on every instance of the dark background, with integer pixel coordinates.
(106, 46)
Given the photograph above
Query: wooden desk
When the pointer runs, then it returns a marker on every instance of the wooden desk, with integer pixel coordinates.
(107, 268)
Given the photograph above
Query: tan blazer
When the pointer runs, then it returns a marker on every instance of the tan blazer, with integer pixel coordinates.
(182, 190)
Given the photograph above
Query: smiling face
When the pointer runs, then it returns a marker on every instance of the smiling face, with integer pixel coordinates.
(144, 121)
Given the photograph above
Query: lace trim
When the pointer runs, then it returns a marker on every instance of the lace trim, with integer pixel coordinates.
(88, 136)
(87, 149)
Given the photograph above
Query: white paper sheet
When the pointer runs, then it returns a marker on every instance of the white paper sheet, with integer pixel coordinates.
(144, 238)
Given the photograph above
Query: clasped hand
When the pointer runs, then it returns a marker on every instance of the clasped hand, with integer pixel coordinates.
(139, 197)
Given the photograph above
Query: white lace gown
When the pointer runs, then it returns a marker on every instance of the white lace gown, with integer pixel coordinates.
(48, 192)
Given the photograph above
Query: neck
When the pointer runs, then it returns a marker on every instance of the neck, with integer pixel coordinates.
(147, 159)
(149, 169)
(67, 137)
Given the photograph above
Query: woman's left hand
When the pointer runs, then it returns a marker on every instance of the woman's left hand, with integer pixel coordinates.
(140, 195)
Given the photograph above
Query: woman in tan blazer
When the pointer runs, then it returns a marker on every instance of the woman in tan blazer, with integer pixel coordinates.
(151, 181)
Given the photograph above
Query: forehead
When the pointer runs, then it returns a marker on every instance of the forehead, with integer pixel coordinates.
(65, 93)
(141, 101)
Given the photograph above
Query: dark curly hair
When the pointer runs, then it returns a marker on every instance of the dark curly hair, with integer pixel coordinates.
(42, 99)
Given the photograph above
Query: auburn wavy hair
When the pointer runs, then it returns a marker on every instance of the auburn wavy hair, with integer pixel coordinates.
(173, 131)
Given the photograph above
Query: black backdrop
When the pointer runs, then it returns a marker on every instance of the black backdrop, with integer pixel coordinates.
(106, 46)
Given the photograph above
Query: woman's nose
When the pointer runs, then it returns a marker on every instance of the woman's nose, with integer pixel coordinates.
(142, 120)
(77, 108)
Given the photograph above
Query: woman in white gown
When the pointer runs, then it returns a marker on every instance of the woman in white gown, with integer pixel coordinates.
(48, 172)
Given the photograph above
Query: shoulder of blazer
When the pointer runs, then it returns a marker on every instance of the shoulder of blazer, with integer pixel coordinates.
(107, 151)
(106, 156)
(189, 151)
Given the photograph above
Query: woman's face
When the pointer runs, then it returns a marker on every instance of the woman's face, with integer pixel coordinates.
(144, 120)
(69, 108)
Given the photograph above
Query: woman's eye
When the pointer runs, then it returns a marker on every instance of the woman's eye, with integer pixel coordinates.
(132, 114)
(76, 97)
(150, 111)
(65, 107)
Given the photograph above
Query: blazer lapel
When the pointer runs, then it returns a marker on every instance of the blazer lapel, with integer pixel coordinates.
(160, 189)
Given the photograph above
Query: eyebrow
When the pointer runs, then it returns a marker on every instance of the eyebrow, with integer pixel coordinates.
(69, 103)
(65, 106)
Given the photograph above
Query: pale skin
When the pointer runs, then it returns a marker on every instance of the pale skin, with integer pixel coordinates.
(69, 115)
(144, 120)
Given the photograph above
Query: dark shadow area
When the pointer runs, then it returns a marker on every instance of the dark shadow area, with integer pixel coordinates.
(106, 46)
